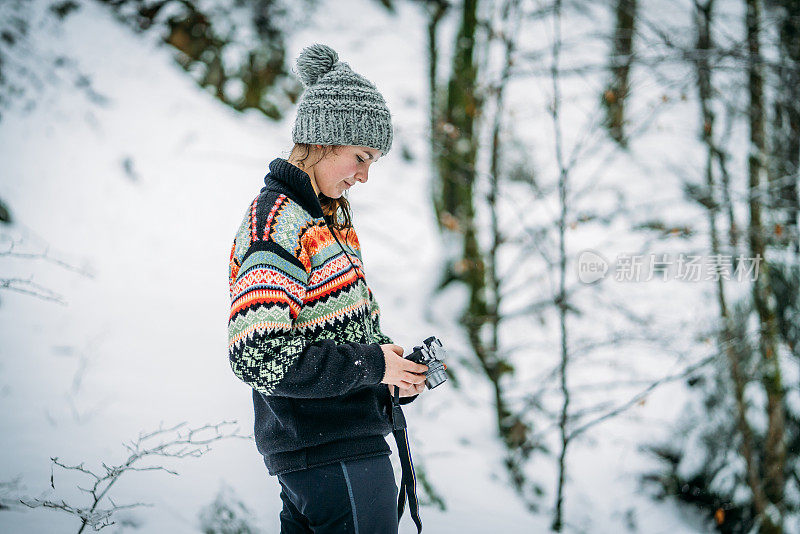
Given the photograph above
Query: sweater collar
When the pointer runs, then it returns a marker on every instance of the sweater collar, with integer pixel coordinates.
(297, 181)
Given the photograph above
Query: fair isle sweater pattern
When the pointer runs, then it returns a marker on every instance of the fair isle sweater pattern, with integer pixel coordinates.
(304, 331)
(284, 300)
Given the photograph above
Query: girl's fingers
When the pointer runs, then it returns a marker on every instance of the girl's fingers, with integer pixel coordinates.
(414, 367)
(409, 388)
(412, 378)
(412, 389)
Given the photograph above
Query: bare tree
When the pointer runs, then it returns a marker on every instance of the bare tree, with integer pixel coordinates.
(729, 342)
(27, 286)
(563, 187)
(774, 446)
(621, 59)
(178, 441)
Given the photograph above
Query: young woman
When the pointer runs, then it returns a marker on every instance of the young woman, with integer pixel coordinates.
(304, 328)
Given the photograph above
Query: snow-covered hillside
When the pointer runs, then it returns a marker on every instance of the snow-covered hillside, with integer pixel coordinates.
(143, 185)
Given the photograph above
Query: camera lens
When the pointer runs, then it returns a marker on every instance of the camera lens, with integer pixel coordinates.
(435, 374)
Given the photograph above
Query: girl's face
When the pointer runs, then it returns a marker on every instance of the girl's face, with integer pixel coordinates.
(341, 168)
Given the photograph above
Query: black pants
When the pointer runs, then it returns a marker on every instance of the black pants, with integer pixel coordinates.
(349, 497)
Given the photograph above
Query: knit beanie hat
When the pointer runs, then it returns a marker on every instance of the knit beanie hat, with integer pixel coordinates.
(339, 106)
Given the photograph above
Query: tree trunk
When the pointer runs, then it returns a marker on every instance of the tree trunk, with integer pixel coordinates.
(727, 338)
(436, 10)
(786, 156)
(774, 445)
(458, 150)
(456, 177)
(561, 299)
(513, 431)
(621, 59)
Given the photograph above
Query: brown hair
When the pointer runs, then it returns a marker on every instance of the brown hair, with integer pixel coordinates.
(330, 206)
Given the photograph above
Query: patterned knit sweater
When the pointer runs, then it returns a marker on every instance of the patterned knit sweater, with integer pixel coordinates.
(304, 331)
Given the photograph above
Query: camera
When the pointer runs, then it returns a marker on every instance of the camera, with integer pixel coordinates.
(431, 354)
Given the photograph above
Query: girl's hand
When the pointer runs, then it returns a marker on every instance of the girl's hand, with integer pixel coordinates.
(400, 372)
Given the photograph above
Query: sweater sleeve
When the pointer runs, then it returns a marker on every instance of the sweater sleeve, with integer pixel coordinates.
(268, 286)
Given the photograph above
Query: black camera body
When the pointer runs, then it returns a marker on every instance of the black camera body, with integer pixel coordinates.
(431, 354)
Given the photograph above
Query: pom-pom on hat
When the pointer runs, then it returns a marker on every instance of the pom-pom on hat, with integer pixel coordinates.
(339, 106)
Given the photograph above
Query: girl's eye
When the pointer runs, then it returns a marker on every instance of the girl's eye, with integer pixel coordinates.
(360, 160)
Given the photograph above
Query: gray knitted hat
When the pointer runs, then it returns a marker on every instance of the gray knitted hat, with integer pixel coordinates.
(339, 107)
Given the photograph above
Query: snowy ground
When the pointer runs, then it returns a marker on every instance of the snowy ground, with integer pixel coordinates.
(146, 336)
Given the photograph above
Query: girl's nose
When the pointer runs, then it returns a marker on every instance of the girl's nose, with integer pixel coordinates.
(362, 176)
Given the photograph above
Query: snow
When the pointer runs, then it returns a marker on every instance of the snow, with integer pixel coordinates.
(143, 340)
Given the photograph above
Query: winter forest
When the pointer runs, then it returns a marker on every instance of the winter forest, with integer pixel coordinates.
(593, 204)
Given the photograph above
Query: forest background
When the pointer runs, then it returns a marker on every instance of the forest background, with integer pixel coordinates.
(593, 204)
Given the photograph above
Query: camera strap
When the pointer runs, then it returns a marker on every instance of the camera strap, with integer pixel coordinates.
(408, 481)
